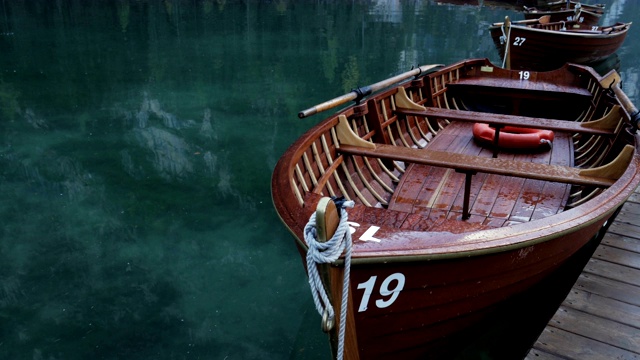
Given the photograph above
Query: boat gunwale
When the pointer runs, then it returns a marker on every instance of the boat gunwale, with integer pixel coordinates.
(597, 34)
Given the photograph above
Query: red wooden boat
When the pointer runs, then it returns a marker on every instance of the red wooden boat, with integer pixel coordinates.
(567, 11)
(445, 227)
(542, 45)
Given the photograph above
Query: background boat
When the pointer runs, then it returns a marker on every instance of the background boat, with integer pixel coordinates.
(541, 45)
(567, 11)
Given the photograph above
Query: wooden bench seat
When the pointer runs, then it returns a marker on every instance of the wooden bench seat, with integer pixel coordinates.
(517, 84)
(605, 126)
(602, 176)
(470, 163)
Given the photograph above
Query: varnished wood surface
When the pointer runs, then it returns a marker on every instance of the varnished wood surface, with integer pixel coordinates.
(451, 275)
(511, 120)
(500, 166)
(600, 318)
(438, 191)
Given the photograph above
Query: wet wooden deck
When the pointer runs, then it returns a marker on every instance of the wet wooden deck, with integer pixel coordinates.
(600, 318)
(437, 193)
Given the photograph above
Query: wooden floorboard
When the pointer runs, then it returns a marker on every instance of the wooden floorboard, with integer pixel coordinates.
(494, 199)
(600, 318)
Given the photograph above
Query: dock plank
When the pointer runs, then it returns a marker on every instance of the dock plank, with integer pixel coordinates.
(621, 242)
(554, 340)
(609, 288)
(538, 354)
(604, 307)
(594, 327)
(630, 259)
(613, 271)
(621, 228)
(600, 317)
(629, 213)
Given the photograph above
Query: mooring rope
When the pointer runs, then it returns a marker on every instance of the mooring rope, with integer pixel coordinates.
(325, 253)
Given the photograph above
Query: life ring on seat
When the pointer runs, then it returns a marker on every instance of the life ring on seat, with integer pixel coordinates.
(512, 137)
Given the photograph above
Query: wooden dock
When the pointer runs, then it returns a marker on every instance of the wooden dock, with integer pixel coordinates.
(600, 318)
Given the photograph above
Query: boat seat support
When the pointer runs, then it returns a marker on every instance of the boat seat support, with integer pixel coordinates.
(467, 193)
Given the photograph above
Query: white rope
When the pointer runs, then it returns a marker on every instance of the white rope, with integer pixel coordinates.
(324, 253)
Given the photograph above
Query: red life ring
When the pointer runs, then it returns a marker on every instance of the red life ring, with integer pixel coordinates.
(512, 137)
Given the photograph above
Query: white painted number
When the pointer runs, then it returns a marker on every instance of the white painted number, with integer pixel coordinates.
(524, 75)
(594, 28)
(394, 292)
(385, 291)
(519, 41)
(368, 289)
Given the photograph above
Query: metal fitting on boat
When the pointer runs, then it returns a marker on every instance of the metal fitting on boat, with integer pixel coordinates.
(327, 321)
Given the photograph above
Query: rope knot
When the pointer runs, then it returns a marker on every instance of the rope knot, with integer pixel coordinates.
(325, 253)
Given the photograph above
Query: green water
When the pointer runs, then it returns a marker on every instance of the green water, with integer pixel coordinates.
(137, 140)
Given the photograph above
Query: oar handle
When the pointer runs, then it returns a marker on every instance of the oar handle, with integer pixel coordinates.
(628, 105)
(328, 104)
(613, 82)
(364, 91)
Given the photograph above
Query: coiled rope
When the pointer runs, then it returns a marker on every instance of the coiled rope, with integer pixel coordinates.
(325, 253)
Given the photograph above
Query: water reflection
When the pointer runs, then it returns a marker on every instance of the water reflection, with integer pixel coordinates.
(137, 141)
(387, 10)
(172, 154)
(614, 13)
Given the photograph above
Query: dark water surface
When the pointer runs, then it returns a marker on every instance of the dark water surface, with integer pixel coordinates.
(137, 140)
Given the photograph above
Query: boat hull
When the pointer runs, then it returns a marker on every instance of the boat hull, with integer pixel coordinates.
(421, 274)
(440, 298)
(542, 50)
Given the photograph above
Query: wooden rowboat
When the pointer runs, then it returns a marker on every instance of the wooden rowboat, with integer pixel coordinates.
(441, 229)
(542, 45)
(567, 11)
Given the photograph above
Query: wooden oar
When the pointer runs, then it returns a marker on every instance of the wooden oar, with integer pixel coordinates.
(363, 91)
(633, 111)
(612, 81)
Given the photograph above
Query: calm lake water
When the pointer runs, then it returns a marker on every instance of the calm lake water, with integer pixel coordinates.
(137, 141)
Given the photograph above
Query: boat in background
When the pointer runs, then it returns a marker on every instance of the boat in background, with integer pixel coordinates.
(443, 227)
(542, 45)
(568, 4)
(567, 11)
